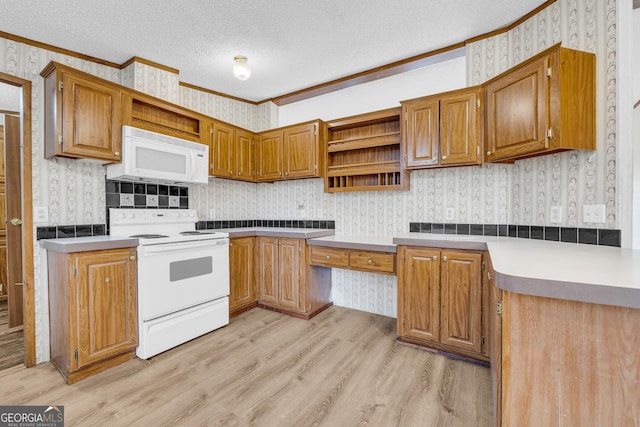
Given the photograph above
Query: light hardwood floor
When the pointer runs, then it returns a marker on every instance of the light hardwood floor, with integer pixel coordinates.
(341, 368)
(11, 341)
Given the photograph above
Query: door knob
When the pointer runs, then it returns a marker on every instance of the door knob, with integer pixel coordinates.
(16, 221)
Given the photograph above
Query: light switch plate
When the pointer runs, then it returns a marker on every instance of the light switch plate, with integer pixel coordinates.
(593, 214)
(555, 214)
(126, 199)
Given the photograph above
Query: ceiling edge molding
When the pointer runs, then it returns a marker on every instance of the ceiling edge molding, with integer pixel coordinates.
(149, 63)
(213, 92)
(57, 49)
(398, 67)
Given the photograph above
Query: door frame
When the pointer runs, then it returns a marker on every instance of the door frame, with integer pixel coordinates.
(29, 312)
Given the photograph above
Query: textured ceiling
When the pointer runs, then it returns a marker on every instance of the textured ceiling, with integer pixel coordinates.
(291, 44)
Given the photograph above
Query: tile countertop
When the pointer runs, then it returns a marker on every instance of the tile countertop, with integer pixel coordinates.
(83, 244)
(575, 272)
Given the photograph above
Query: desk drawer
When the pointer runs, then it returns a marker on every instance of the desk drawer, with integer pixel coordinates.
(329, 257)
(375, 262)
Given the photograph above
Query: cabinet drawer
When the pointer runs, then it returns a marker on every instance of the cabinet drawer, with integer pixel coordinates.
(329, 257)
(376, 262)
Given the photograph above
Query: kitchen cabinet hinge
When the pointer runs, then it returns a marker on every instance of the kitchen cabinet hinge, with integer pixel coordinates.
(75, 354)
(499, 308)
(482, 341)
(550, 133)
(406, 116)
(478, 103)
(60, 139)
(549, 72)
(477, 150)
(74, 271)
(315, 168)
(482, 268)
(60, 85)
(403, 259)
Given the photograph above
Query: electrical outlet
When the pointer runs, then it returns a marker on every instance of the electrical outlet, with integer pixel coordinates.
(126, 199)
(593, 214)
(555, 214)
(212, 213)
(449, 214)
(40, 214)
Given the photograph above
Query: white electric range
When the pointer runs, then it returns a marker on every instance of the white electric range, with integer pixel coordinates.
(183, 276)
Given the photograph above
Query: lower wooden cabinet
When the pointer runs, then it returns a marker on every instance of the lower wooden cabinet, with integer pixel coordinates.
(242, 295)
(92, 310)
(286, 280)
(440, 300)
(353, 259)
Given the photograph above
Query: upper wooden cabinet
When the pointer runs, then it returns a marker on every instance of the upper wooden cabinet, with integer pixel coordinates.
(441, 300)
(544, 105)
(444, 129)
(364, 153)
(83, 115)
(232, 152)
(291, 152)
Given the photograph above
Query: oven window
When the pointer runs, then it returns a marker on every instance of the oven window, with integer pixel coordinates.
(180, 270)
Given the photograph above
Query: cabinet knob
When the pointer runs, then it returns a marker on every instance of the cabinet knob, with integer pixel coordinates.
(286, 173)
(435, 257)
(328, 257)
(488, 153)
(444, 157)
(230, 244)
(116, 153)
(107, 279)
(132, 257)
(444, 258)
(370, 262)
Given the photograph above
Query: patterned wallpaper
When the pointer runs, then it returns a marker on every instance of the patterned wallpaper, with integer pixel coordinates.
(73, 190)
(575, 178)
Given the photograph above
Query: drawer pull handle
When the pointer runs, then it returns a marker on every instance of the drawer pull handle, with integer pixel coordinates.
(328, 257)
(370, 262)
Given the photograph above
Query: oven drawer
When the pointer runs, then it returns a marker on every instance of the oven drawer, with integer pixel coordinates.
(329, 257)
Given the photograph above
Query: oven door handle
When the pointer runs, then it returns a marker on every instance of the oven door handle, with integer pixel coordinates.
(180, 247)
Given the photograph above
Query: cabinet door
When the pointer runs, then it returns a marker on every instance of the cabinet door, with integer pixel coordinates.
(245, 158)
(222, 155)
(269, 156)
(461, 300)
(268, 269)
(300, 151)
(421, 141)
(91, 119)
(241, 289)
(290, 274)
(103, 297)
(517, 108)
(419, 294)
(460, 128)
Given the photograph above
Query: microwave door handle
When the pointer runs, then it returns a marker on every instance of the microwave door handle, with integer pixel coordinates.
(192, 165)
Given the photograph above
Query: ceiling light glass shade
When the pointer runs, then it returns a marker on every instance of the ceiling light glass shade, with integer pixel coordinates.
(241, 69)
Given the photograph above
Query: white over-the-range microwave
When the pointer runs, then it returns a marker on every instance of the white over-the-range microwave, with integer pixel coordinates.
(156, 158)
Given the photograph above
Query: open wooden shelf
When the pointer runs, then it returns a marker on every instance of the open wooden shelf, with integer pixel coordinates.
(364, 153)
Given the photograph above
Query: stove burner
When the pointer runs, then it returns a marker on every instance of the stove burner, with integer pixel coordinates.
(190, 233)
(149, 236)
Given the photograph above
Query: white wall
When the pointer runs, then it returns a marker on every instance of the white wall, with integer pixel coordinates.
(635, 54)
(377, 95)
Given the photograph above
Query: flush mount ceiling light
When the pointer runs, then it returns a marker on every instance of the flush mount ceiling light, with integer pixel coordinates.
(241, 69)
